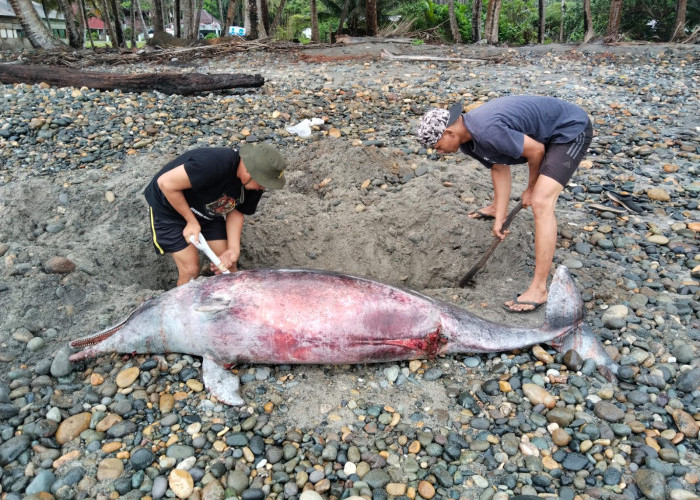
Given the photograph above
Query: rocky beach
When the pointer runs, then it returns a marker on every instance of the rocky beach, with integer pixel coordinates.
(362, 197)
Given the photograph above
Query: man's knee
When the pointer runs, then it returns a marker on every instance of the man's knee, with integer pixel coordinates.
(542, 205)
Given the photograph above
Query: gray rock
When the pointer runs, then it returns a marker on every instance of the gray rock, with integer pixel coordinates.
(651, 483)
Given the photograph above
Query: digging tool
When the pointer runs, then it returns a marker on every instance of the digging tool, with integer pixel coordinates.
(496, 240)
(204, 247)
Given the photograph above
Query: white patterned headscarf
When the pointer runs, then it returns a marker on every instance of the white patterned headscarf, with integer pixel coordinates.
(434, 123)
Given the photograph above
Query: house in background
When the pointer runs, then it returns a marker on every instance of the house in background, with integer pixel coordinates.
(207, 24)
(11, 32)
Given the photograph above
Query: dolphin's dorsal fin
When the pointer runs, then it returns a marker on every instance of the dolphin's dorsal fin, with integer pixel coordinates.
(221, 383)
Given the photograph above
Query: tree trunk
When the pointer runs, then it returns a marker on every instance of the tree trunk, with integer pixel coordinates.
(278, 17)
(186, 19)
(132, 16)
(614, 21)
(343, 15)
(561, 22)
(315, 36)
(231, 12)
(588, 32)
(265, 15)
(177, 22)
(371, 17)
(107, 21)
(476, 21)
(679, 22)
(454, 27)
(221, 16)
(158, 25)
(493, 12)
(144, 30)
(198, 5)
(262, 32)
(541, 21)
(83, 15)
(117, 23)
(247, 17)
(37, 33)
(74, 25)
(167, 83)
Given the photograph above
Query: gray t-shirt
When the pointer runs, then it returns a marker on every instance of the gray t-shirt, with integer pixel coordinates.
(499, 126)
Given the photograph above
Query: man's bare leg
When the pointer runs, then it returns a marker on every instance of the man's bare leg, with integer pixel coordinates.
(544, 198)
(187, 262)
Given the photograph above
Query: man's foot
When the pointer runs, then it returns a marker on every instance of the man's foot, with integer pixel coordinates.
(479, 215)
(521, 305)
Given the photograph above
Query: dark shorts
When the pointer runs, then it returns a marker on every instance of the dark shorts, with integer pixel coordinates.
(561, 160)
(166, 232)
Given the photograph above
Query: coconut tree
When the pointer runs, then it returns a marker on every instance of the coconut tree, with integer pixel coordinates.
(371, 17)
(315, 35)
(679, 22)
(493, 13)
(454, 27)
(588, 32)
(614, 20)
(74, 25)
(117, 24)
(38, 34)
(477, 7)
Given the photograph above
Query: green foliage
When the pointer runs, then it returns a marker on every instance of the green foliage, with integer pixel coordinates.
(293, 28)
(417, 41)
(429, 15)
(518, 22)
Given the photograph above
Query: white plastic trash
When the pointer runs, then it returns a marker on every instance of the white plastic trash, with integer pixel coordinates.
(303, 128)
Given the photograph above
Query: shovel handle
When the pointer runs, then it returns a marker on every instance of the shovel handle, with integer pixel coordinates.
(496, 240)
(204, 247)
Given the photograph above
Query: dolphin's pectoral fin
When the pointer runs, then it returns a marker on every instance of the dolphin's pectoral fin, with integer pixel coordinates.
(221, 383)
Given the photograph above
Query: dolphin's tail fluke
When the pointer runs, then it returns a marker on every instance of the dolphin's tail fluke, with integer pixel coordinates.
(565, 311)
(564, 303)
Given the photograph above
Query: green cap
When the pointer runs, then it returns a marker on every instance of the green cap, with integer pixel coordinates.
(264, 164)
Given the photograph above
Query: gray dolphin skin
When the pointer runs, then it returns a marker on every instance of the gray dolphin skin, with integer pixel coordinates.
(295, 316)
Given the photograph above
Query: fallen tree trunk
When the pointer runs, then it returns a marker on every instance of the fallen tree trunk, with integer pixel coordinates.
(167, 83)
(385, 54)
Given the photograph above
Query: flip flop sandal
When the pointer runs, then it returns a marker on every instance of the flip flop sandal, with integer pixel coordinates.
(535, 305)
(606, 208)
(479, 215)
(626, 201)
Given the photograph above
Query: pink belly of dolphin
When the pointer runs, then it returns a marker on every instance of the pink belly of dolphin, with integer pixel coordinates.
(322, 319)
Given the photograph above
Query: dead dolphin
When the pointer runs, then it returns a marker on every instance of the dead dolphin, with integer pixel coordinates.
(311, 317)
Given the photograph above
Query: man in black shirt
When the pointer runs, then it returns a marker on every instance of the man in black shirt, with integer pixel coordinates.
(209, 190)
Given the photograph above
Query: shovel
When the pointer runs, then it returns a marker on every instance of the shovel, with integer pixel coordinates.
(204, 247)
(496, 240)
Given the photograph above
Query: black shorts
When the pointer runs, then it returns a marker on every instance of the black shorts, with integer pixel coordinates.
(561, 160)
(166, 232)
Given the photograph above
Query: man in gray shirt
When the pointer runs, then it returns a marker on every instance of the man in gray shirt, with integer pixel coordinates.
(550, 135)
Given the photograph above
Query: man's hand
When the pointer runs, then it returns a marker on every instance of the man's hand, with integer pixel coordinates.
(527, 197)
(192, 229)
(497, 225)
(229, 259)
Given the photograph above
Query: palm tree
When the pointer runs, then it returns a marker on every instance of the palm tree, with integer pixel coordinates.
(679, 22)
(493, 13)
(74, 25)
(614, 20)
(38, 34)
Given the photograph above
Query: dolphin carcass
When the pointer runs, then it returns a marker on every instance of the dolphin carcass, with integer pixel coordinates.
(289, 316)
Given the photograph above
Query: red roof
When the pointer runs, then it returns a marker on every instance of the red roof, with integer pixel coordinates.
(95, 23)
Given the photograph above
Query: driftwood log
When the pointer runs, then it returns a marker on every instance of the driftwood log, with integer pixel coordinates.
(167, 83)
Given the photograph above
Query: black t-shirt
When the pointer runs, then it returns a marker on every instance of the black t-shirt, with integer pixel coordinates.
(216, 190)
